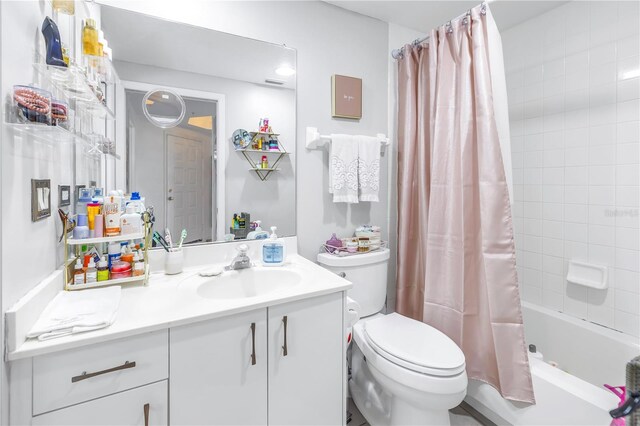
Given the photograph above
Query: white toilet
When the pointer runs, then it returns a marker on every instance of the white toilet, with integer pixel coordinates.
(403, 371)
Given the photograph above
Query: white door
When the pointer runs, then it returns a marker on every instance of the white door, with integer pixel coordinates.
(146, 405)
(306, 381)
(185, 202)
(219, 371)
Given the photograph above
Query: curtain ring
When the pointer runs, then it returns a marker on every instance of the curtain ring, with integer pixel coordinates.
(449, 28)
(483, 9)
(465, 20)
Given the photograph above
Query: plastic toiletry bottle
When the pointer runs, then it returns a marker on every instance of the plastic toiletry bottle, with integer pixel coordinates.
(265, 162)
(258, 233)
(533, 353)
(103, 269)
(113, 251)
(273, 250)
(98, 226)
(90, 37)
(130, 222)
(82, 229)
(91, 274)
(136, 202)
(84, 198)
(111, 217)
(78, 273)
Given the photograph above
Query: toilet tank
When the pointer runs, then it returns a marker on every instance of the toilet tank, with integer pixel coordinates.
(368, 274)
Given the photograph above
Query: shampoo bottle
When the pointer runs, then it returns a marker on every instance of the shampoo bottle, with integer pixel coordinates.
(273, 250)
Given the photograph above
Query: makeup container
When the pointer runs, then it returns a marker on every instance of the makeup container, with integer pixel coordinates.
(31, 105)
(352, 246)
(120, 269)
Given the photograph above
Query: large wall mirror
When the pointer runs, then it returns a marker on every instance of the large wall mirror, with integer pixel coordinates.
(185, 92)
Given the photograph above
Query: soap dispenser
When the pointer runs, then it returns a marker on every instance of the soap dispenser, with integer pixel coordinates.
(258, 233)
(273, 250)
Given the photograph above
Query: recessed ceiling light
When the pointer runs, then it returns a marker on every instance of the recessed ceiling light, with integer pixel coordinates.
(285, 70)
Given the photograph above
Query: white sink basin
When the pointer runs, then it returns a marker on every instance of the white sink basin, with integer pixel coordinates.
(252, 282)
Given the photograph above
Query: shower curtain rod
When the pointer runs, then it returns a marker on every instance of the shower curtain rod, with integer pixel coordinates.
(397, 53)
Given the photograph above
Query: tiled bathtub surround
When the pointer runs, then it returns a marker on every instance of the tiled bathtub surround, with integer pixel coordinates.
(573, 84)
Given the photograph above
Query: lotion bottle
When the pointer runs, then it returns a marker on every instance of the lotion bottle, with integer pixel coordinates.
(273, 250)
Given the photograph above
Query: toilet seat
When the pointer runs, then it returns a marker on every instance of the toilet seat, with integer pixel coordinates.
(413, 345)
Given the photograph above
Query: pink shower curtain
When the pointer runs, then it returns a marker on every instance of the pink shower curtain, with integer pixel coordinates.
(456, 254)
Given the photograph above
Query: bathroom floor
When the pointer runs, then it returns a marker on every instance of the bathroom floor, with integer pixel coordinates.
(458, 416)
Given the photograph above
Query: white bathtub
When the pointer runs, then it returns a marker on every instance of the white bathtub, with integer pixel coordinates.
(590, 356)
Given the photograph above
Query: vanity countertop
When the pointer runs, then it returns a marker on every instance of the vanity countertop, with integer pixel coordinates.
(172, 300)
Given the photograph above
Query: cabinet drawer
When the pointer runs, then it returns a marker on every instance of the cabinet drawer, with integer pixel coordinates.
(78, 375)
(124, 408)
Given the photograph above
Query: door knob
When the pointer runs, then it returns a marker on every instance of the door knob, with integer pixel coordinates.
(170, 198)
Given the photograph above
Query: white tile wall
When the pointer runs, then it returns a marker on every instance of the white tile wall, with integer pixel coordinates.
(573, 78)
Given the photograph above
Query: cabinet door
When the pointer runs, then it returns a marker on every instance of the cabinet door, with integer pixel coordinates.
(306, 375)
(214, 380)
(146, 405)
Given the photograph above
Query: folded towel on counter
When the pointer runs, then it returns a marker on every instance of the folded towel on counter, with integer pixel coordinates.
(368, 167)
(72, 312)
(343, 169)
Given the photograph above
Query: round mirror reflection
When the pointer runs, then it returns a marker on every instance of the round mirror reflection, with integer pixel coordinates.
(163, 107)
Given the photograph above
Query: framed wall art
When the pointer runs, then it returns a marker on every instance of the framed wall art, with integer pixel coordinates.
(346, 97)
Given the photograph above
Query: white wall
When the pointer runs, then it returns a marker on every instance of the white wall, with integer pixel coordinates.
(328, 41)
(273, 200)
(574, 113)
(30, 250)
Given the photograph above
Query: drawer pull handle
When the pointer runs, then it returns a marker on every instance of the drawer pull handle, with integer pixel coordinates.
(146, 414)
(284, 348)
(253, 343)
(85, 375)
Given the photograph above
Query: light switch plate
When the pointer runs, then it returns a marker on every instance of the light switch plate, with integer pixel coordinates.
(40, 199)
(64, 195)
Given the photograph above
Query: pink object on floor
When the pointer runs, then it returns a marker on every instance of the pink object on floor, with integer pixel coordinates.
(620, 392)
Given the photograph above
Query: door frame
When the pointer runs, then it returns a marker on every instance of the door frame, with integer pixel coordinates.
(218, 203)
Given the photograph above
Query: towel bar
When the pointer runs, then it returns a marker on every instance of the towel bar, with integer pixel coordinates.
(314, 140)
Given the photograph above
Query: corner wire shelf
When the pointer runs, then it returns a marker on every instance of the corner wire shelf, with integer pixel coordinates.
(263, 172)
(342, 251)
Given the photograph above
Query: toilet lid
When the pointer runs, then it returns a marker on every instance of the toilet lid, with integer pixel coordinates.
(414, 345)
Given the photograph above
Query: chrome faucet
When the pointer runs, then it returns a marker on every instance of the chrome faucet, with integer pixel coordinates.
(241, 261)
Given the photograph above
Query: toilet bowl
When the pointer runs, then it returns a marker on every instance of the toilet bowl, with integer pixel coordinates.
(403, 372)
(419, 372)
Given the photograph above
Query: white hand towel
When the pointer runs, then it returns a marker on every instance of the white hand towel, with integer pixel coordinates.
(72, 312)
(368, 167)
(343, 169)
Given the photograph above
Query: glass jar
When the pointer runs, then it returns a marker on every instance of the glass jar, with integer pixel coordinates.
(31, 105)
(363, 244)
(60, 113)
